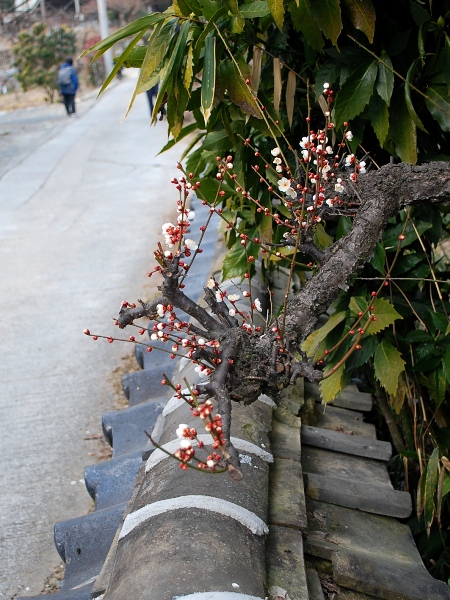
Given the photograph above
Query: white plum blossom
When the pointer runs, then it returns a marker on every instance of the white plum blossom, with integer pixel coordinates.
(201, 342)
(229, 165)
(233, 297)
(305, 142)
(279, 169)
(349, 160)
(232, 312)
(191, 215)
(275, 151)
(305, 154)
(277, 160)
(291, 193)
(349, 136)
(160, 310)
(257, 305)
(284, 184)
(329, 150)
(326, 86)
(219, 296)
(338, 187)
(182, 427)
(362, 166)
(210, 463)
(329, 202)
(185, 444)
(154, 337)
(191, 245)
(211, 284)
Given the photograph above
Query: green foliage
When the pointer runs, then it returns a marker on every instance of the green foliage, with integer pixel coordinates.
(229, 64)
(7, 5)
(39, 53)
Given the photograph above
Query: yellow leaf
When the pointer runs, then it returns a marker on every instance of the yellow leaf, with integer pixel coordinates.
(290, 96)
(332, 385)
(316, 337)
(256, 68)
(276, 85)
(189, 71)
(277, 10)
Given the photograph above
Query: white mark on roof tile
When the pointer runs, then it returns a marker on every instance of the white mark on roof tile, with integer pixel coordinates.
(218, 505)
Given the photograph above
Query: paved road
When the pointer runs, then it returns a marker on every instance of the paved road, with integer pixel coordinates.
(79, 217)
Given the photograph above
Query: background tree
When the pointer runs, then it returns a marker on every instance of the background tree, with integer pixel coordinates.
(38, 55)
(246, 72)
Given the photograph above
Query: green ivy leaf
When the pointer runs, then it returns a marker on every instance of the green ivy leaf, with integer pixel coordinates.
(316, 337)
(276, 8)
(209, 8)
(357, 304)
(362, 15)
(303, 21)
(446, 69)
(378, 259)
(446, 363)
(327, 14)
(355, 93)
(332, 385)
(385, 78)
(410, 76)
(385, 315)
(403, 130)
(390, 238)
(446, 485)
(209, 77)
(135, 59)
(439, 96)
(238, 90)
(171, 71)
(368, 347)
(388, 364)
(141, 24)
(235, 263)
(379, 117)
(431, 481)
(158, 44)
(321, 237)
(252, 10)
(437, 385)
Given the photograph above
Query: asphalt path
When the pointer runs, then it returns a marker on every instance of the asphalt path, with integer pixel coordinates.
(81, 209)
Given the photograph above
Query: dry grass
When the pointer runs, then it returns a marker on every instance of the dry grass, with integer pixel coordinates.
(54, 580)
(19, 99)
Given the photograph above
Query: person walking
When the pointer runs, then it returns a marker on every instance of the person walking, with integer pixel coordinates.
(68, 85)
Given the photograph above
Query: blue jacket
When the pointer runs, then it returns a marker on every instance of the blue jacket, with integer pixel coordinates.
(69, 90)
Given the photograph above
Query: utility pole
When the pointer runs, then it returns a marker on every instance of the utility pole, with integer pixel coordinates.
(104, 32)
(43, 13)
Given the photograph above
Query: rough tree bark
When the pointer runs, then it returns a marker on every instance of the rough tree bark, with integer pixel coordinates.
(251, 363)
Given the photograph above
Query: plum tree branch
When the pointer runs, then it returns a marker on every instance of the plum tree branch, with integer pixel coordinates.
(383, 193)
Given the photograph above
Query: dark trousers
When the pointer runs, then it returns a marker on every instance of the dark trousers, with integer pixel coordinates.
(69, 103)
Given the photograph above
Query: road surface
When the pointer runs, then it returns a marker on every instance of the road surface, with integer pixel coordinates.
(80, 212)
